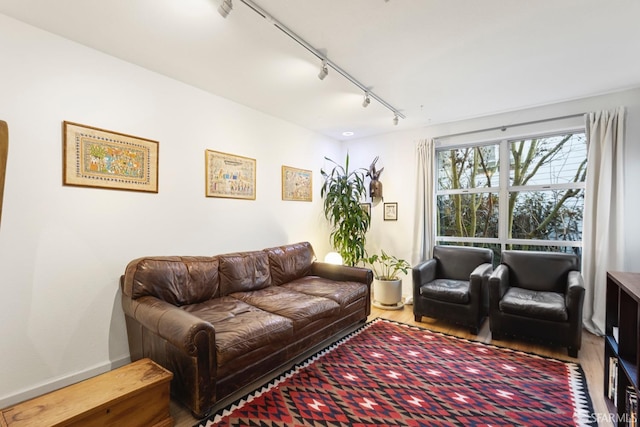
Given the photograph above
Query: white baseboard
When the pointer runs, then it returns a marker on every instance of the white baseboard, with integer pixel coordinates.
(59, 382)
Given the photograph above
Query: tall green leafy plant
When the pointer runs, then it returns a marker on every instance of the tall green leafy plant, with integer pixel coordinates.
(342, 191)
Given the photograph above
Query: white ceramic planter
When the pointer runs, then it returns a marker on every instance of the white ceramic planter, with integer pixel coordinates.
(387, 293)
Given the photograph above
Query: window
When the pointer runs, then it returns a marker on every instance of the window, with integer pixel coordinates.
(513, 194)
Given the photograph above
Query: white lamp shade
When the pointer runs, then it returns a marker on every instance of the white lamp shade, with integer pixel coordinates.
(333, 258)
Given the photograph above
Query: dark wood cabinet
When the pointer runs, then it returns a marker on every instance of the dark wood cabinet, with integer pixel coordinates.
(621, 346)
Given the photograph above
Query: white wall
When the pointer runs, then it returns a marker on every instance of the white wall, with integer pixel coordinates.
(397, 156)
(63, 248)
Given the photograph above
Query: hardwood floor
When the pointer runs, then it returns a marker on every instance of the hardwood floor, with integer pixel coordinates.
(590, 357)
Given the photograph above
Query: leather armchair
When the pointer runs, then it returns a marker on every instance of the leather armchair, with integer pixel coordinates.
(453, 285)
(539, 296)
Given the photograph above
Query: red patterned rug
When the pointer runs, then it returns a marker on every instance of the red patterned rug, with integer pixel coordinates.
(391, 374)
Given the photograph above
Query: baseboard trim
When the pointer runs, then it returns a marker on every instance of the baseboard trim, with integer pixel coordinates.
(59, 382)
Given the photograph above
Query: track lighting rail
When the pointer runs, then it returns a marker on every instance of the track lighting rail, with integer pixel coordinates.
(325, 61)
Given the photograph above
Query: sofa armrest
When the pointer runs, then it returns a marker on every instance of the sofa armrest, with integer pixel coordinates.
(180, 328)
(342, 272)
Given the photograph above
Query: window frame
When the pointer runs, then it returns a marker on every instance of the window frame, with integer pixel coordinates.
(503, 190)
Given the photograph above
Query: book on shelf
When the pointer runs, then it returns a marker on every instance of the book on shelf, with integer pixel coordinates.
(631, 406)
(615, 330)
(613, 380)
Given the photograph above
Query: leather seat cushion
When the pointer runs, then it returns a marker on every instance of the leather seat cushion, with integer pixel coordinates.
(240, 327)
(537, 304)
(449, 290)
(344, 293)
(301, 308)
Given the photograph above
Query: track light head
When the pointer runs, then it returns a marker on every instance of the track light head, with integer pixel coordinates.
(225, 7)
(323, 71)
(395, 119)
(367, 100)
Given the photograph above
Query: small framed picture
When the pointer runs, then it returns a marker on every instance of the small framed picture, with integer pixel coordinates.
(230, 176)
(366, 207)
(297, 184)
(391, 211)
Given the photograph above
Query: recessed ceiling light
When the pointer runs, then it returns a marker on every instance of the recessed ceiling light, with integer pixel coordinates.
(347, 133)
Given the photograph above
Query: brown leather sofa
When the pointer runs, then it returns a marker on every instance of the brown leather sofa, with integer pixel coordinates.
(219, 323)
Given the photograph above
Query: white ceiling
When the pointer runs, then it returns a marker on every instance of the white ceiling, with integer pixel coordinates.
(433, 60)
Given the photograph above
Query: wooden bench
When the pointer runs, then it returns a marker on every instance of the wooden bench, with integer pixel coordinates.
(133, 395)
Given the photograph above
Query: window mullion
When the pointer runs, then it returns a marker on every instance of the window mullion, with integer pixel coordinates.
(503, 195)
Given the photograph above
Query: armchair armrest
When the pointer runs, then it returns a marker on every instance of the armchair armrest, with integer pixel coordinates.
(481, 271)
(180, 328)
(479, 276)
(498, 285)
(342, 272)
(424, 272)
(575, 292)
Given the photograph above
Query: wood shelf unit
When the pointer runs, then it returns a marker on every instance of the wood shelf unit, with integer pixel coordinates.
(622, 345)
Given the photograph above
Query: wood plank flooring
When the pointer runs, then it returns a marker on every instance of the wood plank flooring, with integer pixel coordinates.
(590, 357)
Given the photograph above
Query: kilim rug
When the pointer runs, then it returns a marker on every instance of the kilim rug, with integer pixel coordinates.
(392, 374)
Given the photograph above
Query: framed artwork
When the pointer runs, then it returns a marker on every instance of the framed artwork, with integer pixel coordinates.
(101, 158)
(297, 184)
(230, 176)
(366, 207)
(391, 211)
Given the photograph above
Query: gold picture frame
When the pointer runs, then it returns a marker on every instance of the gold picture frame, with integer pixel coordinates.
(100, 158)
(297, 184)
(229, 176)
(390, 211)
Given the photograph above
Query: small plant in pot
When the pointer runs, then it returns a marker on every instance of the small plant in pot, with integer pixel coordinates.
(387, 285)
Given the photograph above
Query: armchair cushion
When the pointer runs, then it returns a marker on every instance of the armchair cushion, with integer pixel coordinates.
(456, 291)
(541, 305)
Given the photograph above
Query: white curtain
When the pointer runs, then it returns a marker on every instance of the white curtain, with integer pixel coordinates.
(603, 229)
(424, 239)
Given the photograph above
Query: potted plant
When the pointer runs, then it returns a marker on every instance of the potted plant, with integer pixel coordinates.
(342, 191)
(387, 284)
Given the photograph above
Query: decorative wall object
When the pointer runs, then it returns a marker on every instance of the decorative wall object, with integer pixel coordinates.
(230, 176)
(366, 207)
(390, 211)
(4, 152)
(100, 158)
(297, 184)
(375, 186)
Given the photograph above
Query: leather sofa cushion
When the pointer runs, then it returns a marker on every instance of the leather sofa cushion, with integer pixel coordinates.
(176, 280)
(344, 293)
(290, 262)
(455, 291)
(540, 305)
(301, 308)
(241, 328)
(244, 271)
